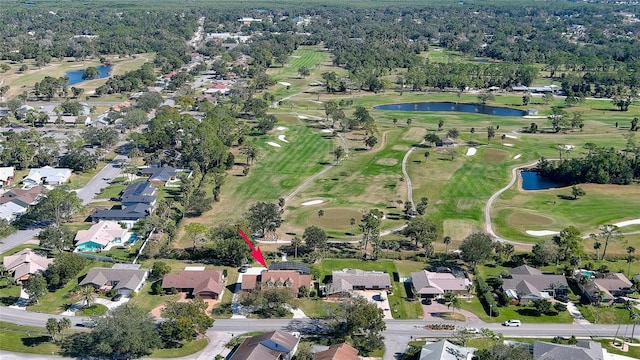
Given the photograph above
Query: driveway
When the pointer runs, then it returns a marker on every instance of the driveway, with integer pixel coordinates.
(374, 297)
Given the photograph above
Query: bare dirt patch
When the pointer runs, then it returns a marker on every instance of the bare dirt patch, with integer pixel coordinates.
(525, 219)
(494, 155)
(387, 161)
(415, 134)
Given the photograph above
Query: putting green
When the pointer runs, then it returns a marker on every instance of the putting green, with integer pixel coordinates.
(524, 219)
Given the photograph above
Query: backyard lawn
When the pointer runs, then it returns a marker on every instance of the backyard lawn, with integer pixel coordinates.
(524, 313)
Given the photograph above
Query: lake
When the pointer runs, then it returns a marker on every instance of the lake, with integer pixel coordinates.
(532, 180)
(449, 106)
(75, 76)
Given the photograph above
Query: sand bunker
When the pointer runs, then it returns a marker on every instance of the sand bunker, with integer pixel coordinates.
(567, 147)
(281, 128)
(510, 136)
(509, 145)
(284, 83)
(628, 222)
(302, 117)
(541, 232)
(273, 144)
(517, 157)
(471, 151)
(312, 202)
(327, 130)
(281, 138)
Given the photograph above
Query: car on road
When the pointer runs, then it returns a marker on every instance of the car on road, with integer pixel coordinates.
(87, 323)
(472, 330)
(512, 323)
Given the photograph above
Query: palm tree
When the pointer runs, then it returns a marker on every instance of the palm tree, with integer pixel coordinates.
(596, 245)
(633, 316)
(395, 121)
(296, 242)
(88, 295)
(473, 130)
(630, 257)
(320, 214)
(63, 325)
(446, 240)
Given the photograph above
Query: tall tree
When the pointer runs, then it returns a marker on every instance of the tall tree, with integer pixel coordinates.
(36, 287)
(88, 295)
(447, 241)
(264, 217)
(315, 238)
(184, 320)
(58, 205)
(196, 232)
(370, 227)
(421, 231)
(57, 238)
(476, 248)
(608, 233)
(491, 133)
(296, 242)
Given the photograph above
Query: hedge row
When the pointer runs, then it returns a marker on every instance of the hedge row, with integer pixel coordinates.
(485, 295)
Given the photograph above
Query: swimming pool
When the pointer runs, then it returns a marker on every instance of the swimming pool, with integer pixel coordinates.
(587, 273)
(133, 238)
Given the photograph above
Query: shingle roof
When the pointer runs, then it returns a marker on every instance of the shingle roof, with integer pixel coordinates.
(534, 284)
(164, 173)
(346, 280)
(338, 352)
(135, 211)
(25, 262)
(525, 270)
(273, 277)
(583, 350)
(613, 281)
(101, 233)
(427, 282)
(267, 346)
(199, 281)
(126, 278)
(444, 350)
(140, 192)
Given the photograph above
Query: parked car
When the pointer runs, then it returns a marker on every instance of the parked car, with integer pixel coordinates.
(619, 300)
(117, 297)
(243, 269)
(427, 301)
(512, 323)
(472, 330)
(562, 298)
(627, 290)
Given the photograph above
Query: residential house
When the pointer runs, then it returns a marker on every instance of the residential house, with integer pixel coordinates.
(25, 263)
(290, 279)
(527, 284)
(444, 350)
(47, 175)
(128, 215)
(10, 211)
(25, 197)
(23, 110)
(126, 278)
(583, 350)
(434, 284)
(248, 20)
(218, 88)
(139, 193)
(342, 351)
(100, 236)
(274, 345)
(6, 175)
(347, 280)
(160, 175)
(205, 284)
(301, 268)
(604, 287)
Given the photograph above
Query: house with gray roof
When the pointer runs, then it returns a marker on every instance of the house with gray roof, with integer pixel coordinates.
(528, 284)
(301, 268)
(126, 278)
(139, 193)
(444, 350)
(347, 280)
(274, 345)
(607, 285)
(160, 175)
(583, 350)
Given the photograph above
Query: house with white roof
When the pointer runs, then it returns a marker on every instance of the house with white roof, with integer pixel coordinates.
(47, 175)
(101, 236)
(6, 175)
(11, 211)
(444, 350)
(434, 284)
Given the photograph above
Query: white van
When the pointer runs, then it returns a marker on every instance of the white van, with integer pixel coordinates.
(512, 323)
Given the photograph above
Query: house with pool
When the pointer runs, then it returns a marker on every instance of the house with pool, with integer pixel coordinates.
(102, 236)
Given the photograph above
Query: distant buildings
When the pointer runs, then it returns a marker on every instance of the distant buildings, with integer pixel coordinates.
(138, 202)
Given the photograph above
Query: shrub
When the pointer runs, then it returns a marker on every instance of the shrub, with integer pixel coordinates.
(560, 307)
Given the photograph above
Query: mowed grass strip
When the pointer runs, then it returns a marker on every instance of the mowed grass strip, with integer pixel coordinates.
(26, 339)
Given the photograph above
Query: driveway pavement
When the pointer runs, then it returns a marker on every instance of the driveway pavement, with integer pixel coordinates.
(374, 297)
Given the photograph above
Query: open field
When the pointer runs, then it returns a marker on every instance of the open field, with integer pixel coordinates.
(26, 339)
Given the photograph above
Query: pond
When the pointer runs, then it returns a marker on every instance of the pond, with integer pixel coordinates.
(450, 106)
(75, 76)
(532, 180)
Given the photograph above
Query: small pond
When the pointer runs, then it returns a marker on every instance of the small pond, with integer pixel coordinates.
(75, 76)
(450, 106)
(532, 180)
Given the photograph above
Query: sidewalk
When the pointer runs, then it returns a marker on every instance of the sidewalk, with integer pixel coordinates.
(576, 314)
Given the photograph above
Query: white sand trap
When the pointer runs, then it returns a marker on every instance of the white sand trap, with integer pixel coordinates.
(302, 117)
(284, 83)
(517, 157)
(273, 144)
(281, 138)
(312, 202)
(541, 232)
(567, 147)
(509, 145)
(295, 56)
(628, 222)
(281, 128)
(327, 130)
(510, 136)
(471, 151)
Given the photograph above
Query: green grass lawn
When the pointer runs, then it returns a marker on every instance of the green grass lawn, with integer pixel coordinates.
(189, 348)
(400, 307)
(9, 294)
(615, 314)
(26, 339)
(93, 310)
(111, 191)
(523, 313)
(146, 301)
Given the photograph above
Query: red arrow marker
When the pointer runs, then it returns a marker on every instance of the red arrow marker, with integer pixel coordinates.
(255, 253)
